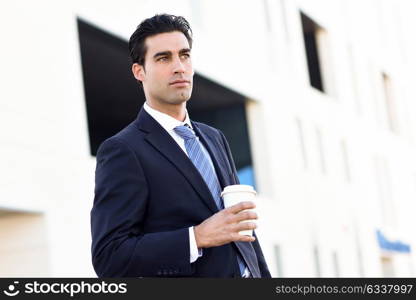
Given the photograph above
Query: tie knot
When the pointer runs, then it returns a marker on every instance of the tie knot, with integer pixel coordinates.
(184, 132)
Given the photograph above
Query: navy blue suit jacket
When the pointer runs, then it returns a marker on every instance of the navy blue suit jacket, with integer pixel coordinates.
(147, 194)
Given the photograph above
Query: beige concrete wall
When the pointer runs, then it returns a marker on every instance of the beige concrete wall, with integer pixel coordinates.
(23, 247)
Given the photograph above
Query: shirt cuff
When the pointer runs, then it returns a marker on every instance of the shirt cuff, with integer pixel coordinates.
(195, 253)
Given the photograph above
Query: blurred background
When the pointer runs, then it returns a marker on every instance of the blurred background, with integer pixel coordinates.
(316, 97)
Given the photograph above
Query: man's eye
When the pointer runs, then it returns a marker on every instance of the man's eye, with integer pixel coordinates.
(186, 55)
(163, 58)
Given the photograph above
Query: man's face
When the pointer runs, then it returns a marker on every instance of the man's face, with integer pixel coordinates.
(167, 74)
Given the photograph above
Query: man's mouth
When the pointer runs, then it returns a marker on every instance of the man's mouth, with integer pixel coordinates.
(180, 83)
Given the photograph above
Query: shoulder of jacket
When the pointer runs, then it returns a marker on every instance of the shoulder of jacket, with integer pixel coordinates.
(207, 129)
(127, 137)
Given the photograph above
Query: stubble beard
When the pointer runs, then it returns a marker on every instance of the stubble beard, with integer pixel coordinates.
(169, 97)
(181, 97)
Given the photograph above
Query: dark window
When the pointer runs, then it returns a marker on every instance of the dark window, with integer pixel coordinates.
(310, 31)
(112, 95)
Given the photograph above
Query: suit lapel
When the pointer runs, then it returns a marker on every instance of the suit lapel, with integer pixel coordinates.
(163, 142)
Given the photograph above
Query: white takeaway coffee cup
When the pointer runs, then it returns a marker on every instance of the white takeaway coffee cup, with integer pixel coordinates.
(237, 193)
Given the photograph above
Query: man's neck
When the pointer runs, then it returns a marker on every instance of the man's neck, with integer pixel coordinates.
(177, 111)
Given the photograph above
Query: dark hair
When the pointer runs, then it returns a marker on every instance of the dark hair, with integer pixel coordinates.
(157, 24)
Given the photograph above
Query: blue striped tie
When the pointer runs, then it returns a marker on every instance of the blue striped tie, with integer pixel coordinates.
(202, 163)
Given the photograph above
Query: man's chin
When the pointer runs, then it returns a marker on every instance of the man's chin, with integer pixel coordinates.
(181, 98)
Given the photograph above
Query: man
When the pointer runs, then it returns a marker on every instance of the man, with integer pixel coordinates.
(157, 209)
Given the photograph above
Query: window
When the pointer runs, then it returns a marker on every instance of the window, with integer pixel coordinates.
(385, 195)
(387, 266)
(321, 150)
(359, 252)
(345, 159)
(112, 95)
(317, 261)
(315, 39)
(389, 102)
(335, 263)
(278, 256)
(302, 143)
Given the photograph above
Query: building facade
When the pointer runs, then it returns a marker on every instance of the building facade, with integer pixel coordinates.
(315, 98)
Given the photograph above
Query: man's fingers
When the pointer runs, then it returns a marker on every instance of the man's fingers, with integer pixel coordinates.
(245, 215)
(236, 237)
(246, 238)
(241, 206)
(237, 227)
(245, 226)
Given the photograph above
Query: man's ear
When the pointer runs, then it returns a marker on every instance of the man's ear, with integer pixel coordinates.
(138, 71)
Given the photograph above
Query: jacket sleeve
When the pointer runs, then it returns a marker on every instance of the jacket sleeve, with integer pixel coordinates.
(120, 248)
(264, 270)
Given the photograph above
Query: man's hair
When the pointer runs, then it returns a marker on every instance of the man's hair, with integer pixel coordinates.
(160, 23)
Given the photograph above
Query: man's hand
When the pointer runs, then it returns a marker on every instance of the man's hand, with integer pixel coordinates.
(223, 227)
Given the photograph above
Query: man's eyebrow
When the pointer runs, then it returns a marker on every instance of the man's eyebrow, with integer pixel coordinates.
(167, 53)
(184, 50)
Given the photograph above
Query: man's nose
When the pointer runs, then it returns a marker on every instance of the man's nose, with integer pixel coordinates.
(178, 66)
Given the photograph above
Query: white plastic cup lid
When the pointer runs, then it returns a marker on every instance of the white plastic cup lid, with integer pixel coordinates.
(238, 188)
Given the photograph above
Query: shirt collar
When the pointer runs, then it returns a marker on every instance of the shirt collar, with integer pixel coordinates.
(166, 121)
